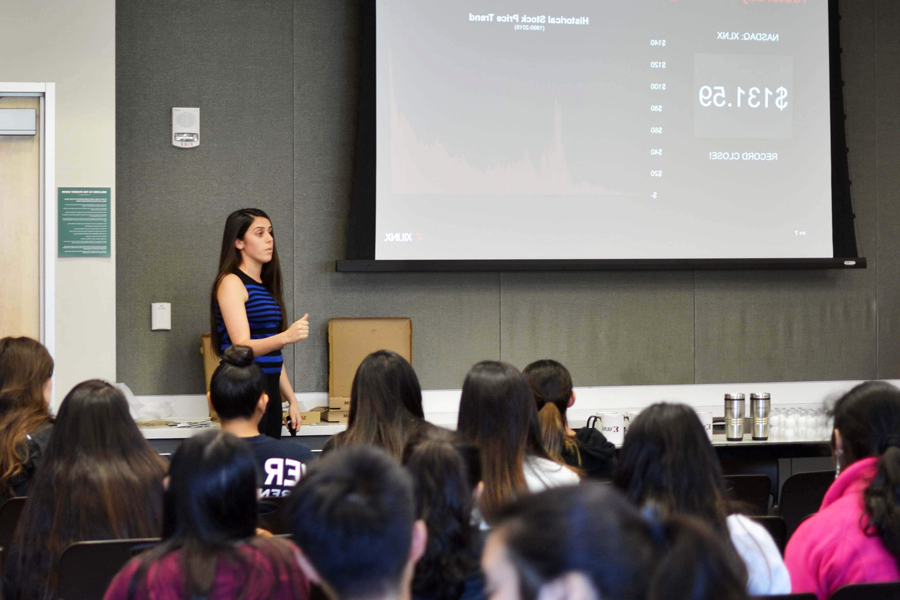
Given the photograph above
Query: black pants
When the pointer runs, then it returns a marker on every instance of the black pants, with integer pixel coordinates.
(271, 421)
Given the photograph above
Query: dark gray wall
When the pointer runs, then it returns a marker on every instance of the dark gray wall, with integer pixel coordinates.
(276, 82)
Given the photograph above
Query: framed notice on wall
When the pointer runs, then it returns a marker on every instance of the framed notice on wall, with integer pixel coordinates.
(84, 222)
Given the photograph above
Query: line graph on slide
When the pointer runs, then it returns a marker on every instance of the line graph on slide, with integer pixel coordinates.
(421, 166)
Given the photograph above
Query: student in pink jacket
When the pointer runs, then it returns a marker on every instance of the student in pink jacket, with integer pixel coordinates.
(855, 536)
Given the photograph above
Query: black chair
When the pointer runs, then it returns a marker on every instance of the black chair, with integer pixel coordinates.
(776, 527)
(868, 591)
(751, 491)
(87, 568)
(10, 512)
(802, 496)
(271, 515)
(786, 597)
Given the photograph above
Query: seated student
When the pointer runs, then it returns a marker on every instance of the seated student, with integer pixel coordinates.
(668, 464)
(209, 549)
(588, 543)
(497, 414)
(99, 480)
(586, 449)
(385, 405)
(237, 393)
(25, 421)
(354, 518)
(855, 536)
(445, 498)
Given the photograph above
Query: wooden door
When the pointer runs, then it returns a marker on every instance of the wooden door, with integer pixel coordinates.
(20, 226)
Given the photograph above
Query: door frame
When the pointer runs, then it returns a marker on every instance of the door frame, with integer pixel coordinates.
(46, 91)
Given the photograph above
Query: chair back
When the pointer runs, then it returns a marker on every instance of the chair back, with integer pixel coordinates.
(802, 495)
(808, 596)
(10, 512)
(777, 529)
(271, 515)
(752, 491)
(87, 568)
(868, 591)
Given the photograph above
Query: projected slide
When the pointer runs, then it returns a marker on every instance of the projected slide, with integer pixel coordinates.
(595, 129)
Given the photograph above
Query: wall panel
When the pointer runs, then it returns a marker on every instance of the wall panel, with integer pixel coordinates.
(233, 60)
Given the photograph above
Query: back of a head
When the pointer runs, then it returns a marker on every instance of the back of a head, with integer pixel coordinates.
(497, 414)
(444, 501)
(236, 384)
(668, 462)
(385, 403)
(868, 419)
(352, 515)
(593, 530)
(211, 498)
(98, 479)
(25, 367)
(551, 385)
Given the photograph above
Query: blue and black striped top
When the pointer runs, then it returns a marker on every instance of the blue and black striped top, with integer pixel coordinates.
(264, 318)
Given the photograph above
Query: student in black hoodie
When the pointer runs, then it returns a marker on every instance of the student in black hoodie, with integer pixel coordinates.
(586, 449)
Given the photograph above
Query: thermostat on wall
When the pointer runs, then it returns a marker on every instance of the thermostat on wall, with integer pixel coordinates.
(185, 127)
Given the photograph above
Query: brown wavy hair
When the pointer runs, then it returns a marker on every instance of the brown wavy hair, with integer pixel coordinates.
(99, 479)
(25, 366)
(230, 258)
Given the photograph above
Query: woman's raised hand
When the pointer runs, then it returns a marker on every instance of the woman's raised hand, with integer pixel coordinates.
(299, 330)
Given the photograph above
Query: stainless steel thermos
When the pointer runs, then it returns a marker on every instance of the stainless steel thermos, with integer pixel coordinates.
(734, 417)
(760, 408)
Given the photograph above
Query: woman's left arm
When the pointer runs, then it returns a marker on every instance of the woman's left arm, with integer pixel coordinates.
(288, 392)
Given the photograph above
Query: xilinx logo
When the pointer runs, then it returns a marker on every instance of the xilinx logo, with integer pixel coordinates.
(398, 237)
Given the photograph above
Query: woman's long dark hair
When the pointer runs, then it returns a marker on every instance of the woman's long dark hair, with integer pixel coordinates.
(868, 417)
(551, 385)
(593, 530)
(385, 404)
(99, 479)
(668, 462)
(230, 258)
(498, 415)
(25, 366)
(444, 501)
(209, 507)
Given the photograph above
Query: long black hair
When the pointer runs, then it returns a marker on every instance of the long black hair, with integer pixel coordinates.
(868, 418)
(444, 501)
(99, 479)
(667, 461)
(385, 404)
(210, 508)
(593, 530)
(230, 259)
(236, 384)
(498, 415)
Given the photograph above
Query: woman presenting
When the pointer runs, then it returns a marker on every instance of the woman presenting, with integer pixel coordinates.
(247, 308)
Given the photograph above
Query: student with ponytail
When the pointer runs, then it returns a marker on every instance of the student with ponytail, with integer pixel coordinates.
(587, 542)
(855, 536)
(586, 449)
(668, 464)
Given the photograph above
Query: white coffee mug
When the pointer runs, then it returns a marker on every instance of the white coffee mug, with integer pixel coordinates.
(707, 419)
(629, 417)
(612, 426)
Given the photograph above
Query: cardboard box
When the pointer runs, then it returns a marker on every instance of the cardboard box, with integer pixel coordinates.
(336, 416)
(351, 340)
(313, 416)
(210, 362)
